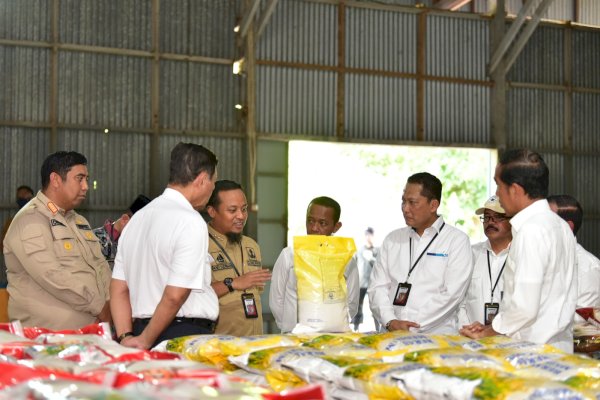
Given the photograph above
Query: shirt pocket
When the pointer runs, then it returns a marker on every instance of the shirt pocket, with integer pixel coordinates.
(65, 243)
(93, 243)
(33, 239)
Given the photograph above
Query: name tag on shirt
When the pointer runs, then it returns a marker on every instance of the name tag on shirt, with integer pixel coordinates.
(402, 293)
(490, 310)
(438, 254)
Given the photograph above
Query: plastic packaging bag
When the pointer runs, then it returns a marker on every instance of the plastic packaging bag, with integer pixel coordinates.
(319, 264)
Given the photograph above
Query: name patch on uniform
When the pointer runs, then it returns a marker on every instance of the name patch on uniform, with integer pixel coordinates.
(250, 252)
(54, 222)
(254, 263)
(220, 267)
(84, 227)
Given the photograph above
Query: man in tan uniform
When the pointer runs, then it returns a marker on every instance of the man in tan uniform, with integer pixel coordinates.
(237, 274)
(57, 275)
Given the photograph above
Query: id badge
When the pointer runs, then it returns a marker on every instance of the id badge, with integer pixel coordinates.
(249, 305)
(402, 293)
(490, 310)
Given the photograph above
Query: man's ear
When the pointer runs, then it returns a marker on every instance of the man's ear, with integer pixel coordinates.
(571, 225)
(337, 226)
(434, 205)
(55, 179)
(211, 211)
(516, 189)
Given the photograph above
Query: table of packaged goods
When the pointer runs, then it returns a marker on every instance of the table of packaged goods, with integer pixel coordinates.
(88, 363)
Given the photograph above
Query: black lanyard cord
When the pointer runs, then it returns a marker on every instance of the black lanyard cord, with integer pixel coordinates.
(227, 255)
(422, 253)
(490, 273)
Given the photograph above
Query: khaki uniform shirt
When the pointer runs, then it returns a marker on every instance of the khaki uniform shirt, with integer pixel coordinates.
(57, 275)
(246, 257)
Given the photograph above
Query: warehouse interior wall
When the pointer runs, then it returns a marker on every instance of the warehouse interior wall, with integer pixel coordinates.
(123, 81)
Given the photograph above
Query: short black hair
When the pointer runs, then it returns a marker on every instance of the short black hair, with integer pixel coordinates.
(527, 169)
(61, 163)
(329, 203)
(569, 209)
(140, 202)
(25, 187)
(221, 186)
(188, 160)
(432, 186)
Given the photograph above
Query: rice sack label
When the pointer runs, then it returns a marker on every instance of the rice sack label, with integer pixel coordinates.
(319, 265)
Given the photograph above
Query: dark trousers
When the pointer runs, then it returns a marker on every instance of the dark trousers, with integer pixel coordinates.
(179, 327)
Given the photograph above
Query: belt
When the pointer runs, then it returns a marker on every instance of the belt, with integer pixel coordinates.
(202, 322)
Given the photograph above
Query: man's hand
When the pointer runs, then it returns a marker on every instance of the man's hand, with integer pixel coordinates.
(477, 331)
(137, 342)
(252, 279)
(398, 325)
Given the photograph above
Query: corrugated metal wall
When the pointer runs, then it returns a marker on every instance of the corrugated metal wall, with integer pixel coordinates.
(113, 73)
(392, 73)
(553, 106)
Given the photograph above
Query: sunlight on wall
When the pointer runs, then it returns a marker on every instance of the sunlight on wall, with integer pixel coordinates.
(367, 181)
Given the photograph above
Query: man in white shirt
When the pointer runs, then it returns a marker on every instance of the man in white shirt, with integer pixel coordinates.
(489, 259)
(161, 282)
(588, 266)
(540, 282)
(322, 218)
(423, 270)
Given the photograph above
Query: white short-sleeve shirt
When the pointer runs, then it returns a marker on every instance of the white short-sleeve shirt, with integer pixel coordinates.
(166, 243)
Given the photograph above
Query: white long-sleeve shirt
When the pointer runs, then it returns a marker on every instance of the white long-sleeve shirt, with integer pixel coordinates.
(283, 295)
(439, 281)
(588, 279)
(480, 288)
(540, 280)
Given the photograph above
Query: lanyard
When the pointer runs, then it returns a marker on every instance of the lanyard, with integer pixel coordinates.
(490, 272)
(424, 250)
(227, 255)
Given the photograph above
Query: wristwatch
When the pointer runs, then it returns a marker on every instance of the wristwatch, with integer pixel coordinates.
(229, 283)
(387, 326)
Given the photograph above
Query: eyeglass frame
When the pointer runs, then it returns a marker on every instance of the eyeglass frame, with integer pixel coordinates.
(498, 218)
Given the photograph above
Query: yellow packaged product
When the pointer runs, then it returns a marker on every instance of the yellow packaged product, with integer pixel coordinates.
(490, 383)
(391, 346)
(271, 363)
(457, 357)
(497, 385)
(505, 342)
(246, 344)
(319, 264)
(523, 358)
(324, 368)
(341, 344)
(379, 381)
(562, 369)
(203, 348)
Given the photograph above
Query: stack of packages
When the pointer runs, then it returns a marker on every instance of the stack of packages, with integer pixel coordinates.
(87, 363)
(401, 365)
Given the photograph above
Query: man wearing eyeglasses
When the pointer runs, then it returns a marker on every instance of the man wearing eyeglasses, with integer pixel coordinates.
(482, 302)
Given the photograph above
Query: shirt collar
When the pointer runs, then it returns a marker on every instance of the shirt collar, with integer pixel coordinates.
(219, 236)
(432, 230)
(177, 197)
(537, 207)
(50, 206)
(488, 246)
